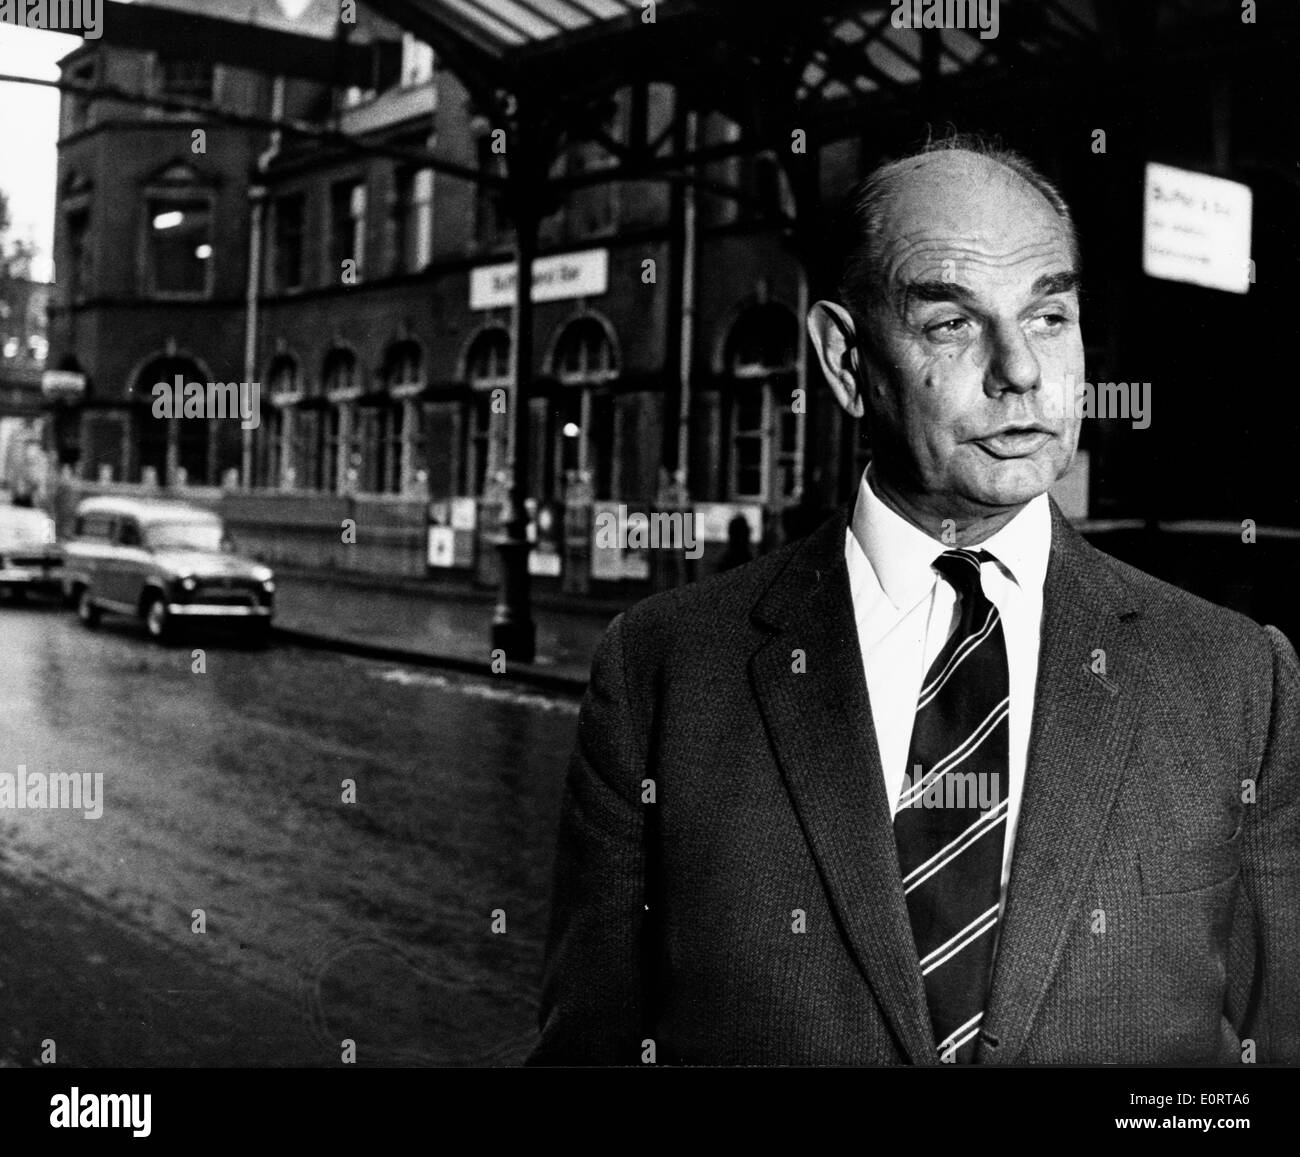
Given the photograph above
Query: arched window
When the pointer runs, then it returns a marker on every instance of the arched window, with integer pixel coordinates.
(272, 461)
(384, 432)
(403, 370)
(584, 353)
(580, 438)
(487, 368)
(488, 361)
(320, 433)
(283, 376)
(165, 443)
(763, 425)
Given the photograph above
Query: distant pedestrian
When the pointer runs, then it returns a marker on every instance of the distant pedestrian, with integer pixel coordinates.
(739, 551)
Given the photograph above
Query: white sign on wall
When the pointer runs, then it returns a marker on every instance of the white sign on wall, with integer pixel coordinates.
(1196, 228)
(62, 384)
(442, 546)
(555, 278)
(464, 513)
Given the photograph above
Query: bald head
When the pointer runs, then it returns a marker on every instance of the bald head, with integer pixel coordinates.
(960, 181)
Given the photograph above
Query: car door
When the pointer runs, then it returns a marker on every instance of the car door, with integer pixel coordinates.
(92, 549)
(130, 562)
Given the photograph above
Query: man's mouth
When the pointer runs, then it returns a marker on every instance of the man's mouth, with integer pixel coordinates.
(1014, 441)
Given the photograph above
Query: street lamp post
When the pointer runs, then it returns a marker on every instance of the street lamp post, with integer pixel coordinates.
(513, 630)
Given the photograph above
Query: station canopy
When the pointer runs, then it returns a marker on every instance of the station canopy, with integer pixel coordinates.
(826, 61)
(809, 52)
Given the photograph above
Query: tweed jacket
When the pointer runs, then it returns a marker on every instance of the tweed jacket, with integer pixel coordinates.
(727, 882)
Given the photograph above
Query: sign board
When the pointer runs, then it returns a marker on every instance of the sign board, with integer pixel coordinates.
(544, 563)
(442, 546)
(450, 544)
(1196, 228)
(555, 278)
(62, 384)
(606, 561)
(544, 532)
(464, 514)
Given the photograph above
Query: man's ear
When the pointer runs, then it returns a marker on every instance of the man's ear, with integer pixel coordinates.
(834, 336)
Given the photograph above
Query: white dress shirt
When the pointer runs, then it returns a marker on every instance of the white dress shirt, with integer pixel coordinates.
(905, 613)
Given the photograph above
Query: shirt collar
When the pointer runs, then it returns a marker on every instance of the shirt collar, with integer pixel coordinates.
(901, 555)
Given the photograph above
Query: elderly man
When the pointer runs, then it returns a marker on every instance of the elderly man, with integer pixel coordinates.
(941, 782)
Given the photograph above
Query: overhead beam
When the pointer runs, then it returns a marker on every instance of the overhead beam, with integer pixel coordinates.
(304, 130)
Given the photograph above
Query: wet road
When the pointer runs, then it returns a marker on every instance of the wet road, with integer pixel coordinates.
(223, 791)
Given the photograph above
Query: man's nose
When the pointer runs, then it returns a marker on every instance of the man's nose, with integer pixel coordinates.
(1012, 363)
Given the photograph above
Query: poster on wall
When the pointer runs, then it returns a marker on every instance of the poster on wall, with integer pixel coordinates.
(606, 559)
(464, 514)
(442, 546)
(544, 533)
(451, 540)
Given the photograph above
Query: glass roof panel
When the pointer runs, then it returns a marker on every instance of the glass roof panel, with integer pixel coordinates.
(605, 9)
(521, 17)
(515, 23)
(560, 13)
(478, 14)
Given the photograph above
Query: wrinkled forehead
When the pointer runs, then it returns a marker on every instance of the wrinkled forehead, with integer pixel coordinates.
(966, 217)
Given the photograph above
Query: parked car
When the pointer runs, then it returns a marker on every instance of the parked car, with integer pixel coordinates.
(167, 563)
(30, 559)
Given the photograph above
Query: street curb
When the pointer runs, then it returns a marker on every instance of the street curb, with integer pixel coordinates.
(517, 673)
(570, 605)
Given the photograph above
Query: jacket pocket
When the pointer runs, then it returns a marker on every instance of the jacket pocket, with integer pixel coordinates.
(1171, 866)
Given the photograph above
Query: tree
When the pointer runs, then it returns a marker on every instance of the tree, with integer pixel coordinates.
(15, 255)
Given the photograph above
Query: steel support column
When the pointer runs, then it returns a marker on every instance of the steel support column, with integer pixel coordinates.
(513, 630)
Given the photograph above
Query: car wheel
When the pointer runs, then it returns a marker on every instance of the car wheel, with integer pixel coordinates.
(87, 612)
(157, 621)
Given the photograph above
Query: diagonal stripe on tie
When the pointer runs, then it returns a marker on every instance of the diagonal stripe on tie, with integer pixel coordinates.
(959, 1036)
(950, 841)
(978, 830)
(967, 647)
(964, 750)
(961, 939)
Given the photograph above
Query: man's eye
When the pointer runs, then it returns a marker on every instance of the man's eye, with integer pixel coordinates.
(948, 328)
(1050, 322)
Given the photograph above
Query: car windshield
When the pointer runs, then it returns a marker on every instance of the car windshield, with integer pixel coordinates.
(184, 536)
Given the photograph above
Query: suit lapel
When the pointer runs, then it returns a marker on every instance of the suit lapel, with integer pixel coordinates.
(1083, 728)
(819, 724)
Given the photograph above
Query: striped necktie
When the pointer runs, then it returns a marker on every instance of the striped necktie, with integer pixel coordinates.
(951, 817)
